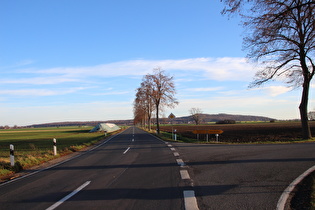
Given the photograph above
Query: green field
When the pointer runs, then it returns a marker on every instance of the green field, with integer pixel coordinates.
(35, 145)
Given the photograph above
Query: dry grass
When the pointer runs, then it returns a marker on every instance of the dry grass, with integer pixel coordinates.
(35, 146)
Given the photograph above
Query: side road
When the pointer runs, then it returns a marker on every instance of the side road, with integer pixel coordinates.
(244, 176)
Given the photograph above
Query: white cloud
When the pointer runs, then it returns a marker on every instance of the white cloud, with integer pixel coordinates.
(276, 90)
(40, 92)
(112, 93)
(220, 69)
(204, 89)
(19, 64)
(40, 80)
(92, 111)
(230, 97)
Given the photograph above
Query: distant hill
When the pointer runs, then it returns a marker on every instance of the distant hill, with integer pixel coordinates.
(219, 117)
(178, 120)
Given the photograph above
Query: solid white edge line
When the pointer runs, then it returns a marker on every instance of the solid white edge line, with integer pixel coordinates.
(126, 150)
(69, 196)
(286, 193)
(190, 200)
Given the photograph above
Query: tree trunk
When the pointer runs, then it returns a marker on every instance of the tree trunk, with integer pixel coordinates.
(157, 120)
(306, 132)
(149, 123)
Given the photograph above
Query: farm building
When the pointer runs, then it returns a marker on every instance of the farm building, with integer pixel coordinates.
(105, 127)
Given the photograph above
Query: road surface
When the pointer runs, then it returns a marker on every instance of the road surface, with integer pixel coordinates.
(133, 170)
(244, 176)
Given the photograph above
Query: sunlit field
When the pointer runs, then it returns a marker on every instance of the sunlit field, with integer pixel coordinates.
(34, 146)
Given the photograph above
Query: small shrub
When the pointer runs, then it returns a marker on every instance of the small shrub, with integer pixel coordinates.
(32, 146)
(226, 122)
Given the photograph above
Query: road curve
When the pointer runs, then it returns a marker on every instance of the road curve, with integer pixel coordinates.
(134, 170)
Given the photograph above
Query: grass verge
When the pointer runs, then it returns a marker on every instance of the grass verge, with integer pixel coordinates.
(304, 194)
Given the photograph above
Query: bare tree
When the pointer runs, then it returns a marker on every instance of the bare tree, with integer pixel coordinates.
(138, 112)
(282, 38)
(144, 103)
(162, 91)
(311, 115)
(196, 115)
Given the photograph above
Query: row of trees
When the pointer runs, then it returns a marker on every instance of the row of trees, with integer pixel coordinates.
(156, 91)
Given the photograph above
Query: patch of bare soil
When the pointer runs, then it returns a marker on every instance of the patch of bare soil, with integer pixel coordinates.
(242, 133)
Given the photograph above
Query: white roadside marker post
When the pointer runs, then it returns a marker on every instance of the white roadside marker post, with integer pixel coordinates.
(217, 137)
(12, 154)
(55, 146)
(175, 135)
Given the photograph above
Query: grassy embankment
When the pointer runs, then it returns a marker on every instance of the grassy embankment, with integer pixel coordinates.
(35, 146)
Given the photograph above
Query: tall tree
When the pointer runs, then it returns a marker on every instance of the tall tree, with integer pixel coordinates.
(144, 103)
(161, 91)
(196, 115)
(139, 114)
(282, 38)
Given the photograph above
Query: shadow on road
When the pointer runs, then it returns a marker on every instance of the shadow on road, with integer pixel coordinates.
(102, 167)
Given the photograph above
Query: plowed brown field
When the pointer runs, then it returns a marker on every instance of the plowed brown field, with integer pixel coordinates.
(245, 132)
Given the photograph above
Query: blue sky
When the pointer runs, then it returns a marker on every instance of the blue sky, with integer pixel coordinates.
(79, 60)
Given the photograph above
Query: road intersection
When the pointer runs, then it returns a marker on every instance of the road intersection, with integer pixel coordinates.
(136, 170)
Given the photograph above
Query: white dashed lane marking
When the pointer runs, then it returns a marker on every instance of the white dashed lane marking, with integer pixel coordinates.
(184, 174)
(180, 162)
(189, 195)
(190, 200)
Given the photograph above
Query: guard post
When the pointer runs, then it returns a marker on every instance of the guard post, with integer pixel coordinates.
(171, 117)
(55, 146)
(11, 154)
(207, 132)
(217, 137)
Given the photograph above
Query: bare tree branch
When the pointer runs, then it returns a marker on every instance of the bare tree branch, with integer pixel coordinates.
(282, 38)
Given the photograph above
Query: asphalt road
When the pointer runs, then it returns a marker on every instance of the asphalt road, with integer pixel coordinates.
(135, 170)
(128, 172)
(244, 176)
